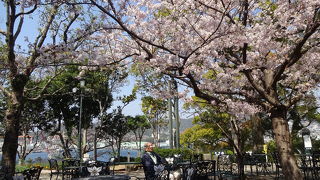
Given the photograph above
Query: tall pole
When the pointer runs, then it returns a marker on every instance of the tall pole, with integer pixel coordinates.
(177, 118)
(170, 117)
(82, 83)
(79, 130)
(176, 115)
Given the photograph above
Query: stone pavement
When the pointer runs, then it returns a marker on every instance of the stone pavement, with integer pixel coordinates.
(45, 174)
(136, 174)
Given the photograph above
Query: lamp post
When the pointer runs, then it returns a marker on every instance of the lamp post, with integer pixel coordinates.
(82, 84)
(305, 132)
(74, 90)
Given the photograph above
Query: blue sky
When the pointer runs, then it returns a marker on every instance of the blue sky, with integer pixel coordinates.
(134, 108)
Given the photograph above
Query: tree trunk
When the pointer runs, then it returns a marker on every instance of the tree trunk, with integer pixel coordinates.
(95, 155)
(240, 162)
(258, 132)
(84, 141)
(10, 144)
(281, 132)
(66, 150)
(119, 149)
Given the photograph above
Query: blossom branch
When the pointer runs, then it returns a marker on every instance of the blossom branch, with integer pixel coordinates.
(40, 40)
(131, 33)
(297, 52)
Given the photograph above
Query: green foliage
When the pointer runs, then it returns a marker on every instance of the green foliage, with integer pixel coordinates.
(202, 137)
(126, 99)
(154, 109)
(211, 74)
(185, 153)
(151, 106)
(272, 147)
(115, 124)
(164, 12)
(138, 122)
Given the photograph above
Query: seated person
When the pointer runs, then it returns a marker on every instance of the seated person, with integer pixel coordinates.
(149, 160)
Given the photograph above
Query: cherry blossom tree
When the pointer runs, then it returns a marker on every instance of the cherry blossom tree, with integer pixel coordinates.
(58, 38)
(242, 56)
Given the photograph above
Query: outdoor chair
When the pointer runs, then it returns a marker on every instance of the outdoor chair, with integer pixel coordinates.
(248, 160)
(162, 172)
(226, 168)
(54, 168)
(188, 172)
(97, 168)
(211, 169)
(305, 164)
(276, 161)
(262, 166)
(32, 173)
(201, 170)
(316, 165)
(70, 168)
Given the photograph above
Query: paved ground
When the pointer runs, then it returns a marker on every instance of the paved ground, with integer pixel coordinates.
(45, 174)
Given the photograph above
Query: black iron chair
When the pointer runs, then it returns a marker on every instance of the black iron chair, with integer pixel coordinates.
(276, 162)
(262, 165)
(162, 172)
(201, 168)
(97, 168)
(316, 165)
(32, 173)
(305, 164)
(70, 168)
(54, 168)
(188, 171)
(227, 167)
(211, 169)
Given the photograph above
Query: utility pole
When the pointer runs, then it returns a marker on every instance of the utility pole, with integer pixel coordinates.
(170, 117)
(176, 115)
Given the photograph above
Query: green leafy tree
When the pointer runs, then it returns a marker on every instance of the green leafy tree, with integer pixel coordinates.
(201, 137)
(115, 125)
(139, 124)
(155, 111)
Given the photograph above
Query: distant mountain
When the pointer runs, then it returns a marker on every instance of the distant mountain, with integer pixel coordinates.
(185, 123)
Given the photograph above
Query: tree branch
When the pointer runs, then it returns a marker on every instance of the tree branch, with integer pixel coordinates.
(296, 53)
(29, 12)
(3, 32)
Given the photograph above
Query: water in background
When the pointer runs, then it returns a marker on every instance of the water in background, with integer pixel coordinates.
(103, 155)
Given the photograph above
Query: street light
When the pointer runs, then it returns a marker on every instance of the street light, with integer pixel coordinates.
(305, 132)
(82, 84)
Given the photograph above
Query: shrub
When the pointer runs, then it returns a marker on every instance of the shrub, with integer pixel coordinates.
(185, 153)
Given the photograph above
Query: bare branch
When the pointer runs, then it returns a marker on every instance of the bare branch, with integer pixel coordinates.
(65, 33)
(5, 91)
(19, 25)
(28, 12)
(40, 40)
(260, 89)
(3, 32)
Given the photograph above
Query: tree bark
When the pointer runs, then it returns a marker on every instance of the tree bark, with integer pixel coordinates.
(12, 125)
(258, 132)
(281, 132)
(95, 153)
